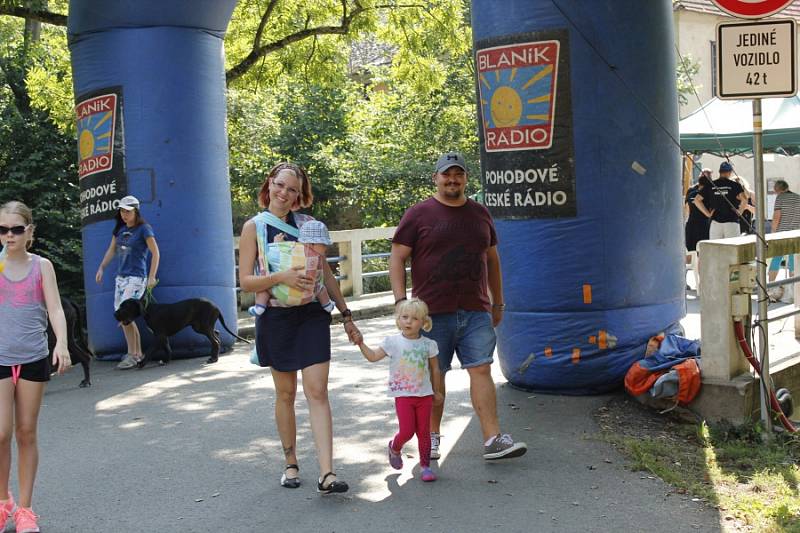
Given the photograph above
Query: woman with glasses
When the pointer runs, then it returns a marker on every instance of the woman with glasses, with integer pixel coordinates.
(293, 339)
(132, 241)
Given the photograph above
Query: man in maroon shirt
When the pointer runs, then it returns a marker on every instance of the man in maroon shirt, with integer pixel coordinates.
(455, 269)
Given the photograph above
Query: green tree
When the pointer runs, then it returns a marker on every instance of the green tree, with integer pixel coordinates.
(685, 73)
(37, 159)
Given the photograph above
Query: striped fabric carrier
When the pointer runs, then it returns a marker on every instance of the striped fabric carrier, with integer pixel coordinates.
(285, 255)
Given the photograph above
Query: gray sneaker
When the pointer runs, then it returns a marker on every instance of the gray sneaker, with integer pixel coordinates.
(435, 437)
(504, 447)
(129, 361)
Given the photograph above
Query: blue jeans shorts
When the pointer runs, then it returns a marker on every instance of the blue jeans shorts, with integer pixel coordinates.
(468, 334)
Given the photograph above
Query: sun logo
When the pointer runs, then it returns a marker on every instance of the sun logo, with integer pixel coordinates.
(96, 118)
(517, 85)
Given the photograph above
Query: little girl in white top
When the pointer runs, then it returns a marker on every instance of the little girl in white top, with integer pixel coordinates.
(413, 364)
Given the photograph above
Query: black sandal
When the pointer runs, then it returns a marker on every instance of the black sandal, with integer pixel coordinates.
(290, 482)
(334, 487)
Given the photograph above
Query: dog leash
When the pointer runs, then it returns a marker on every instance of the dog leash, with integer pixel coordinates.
(148, 297)
(16, 370)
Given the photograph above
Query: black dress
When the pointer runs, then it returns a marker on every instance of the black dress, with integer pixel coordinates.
(697, 225)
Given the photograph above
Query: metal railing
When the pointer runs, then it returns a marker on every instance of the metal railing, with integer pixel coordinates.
(350, 258)
(722, 359)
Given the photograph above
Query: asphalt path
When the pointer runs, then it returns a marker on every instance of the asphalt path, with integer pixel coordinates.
(189, 447)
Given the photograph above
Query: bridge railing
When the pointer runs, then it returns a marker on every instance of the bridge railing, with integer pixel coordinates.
(348, 263)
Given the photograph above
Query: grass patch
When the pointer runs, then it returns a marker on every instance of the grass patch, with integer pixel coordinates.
(754, 484)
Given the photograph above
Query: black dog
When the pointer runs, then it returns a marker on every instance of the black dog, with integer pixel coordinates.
(78, 352)
(165, 320)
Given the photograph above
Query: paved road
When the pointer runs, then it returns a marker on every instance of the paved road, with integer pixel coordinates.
(193, 448)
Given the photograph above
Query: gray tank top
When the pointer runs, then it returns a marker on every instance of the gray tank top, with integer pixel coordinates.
(24, 317)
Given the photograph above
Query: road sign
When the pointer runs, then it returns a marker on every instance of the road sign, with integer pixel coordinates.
(756, 59)
(752, 9)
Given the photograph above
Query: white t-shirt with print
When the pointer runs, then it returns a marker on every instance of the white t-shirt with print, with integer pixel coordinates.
(409, 370)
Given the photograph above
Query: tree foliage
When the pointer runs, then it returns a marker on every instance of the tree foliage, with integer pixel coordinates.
(37, 158)
(37, 166)
(686, 72)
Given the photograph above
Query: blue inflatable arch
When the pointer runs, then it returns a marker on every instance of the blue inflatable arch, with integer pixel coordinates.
(149, 75)
(581, 171)
(578, 116)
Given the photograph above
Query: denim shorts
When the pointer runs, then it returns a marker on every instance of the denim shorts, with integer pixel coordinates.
(127, 287)
(468, 334)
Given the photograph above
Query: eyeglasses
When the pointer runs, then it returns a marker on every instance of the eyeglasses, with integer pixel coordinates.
(16, 230)
(282, 187)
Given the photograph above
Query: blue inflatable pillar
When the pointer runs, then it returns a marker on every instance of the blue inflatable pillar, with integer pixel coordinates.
(149, 84)
(581, 170)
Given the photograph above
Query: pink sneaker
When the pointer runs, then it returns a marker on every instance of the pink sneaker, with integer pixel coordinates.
(26, 520)
(395, 459)
(428, 475)
(6, 510)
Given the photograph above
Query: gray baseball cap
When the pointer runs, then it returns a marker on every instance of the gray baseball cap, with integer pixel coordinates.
(450, 159)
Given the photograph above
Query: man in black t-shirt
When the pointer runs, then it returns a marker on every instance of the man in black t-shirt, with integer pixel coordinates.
(727, 201)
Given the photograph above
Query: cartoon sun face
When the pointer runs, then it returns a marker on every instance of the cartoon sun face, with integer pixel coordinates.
(506, 107)
(86, 144)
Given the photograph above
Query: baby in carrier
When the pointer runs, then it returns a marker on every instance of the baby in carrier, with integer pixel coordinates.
(309, 252)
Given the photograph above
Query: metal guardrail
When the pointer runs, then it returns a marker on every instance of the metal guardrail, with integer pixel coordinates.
(350, 259)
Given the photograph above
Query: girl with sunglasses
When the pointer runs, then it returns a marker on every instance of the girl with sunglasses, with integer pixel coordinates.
(28, 297)
(132, 241)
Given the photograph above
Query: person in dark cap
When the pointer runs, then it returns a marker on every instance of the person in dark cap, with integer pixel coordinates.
(455, 269)
(728, 200)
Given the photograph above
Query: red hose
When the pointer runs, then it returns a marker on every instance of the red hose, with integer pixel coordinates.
(748, 353)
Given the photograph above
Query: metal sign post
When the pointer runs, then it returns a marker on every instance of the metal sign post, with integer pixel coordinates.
(756, 60)
(761, 265)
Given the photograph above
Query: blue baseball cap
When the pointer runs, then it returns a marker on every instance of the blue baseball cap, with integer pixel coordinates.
(725, 167)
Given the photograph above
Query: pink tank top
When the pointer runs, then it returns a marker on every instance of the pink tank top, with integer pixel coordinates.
(24, 316)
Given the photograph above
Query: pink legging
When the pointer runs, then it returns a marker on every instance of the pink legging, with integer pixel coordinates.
(414, 416)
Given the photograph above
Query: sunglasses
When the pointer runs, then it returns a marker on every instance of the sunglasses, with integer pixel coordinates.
(16, 230)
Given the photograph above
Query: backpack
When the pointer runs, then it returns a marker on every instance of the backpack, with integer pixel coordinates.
(671, 372)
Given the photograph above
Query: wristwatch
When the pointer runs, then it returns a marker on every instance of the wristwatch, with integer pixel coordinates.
(347, 314)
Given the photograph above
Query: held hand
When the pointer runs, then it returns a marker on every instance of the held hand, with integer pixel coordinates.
(61, 359)
(151, 282)
(353, 334)
(98, 278)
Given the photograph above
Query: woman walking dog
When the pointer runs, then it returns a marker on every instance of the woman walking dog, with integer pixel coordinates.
(292, 339)
(132, 240)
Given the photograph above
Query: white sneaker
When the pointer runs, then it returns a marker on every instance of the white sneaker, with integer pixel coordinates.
(129, 361)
